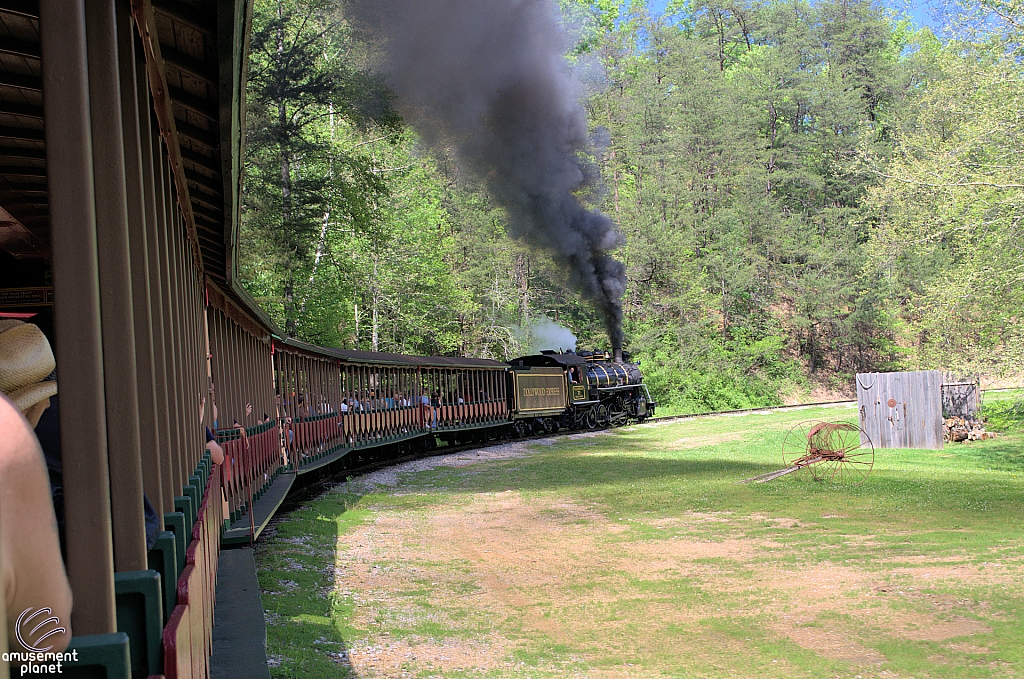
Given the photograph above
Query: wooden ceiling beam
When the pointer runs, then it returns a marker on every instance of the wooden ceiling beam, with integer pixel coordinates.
(204, 200)
(17, 171)
(189, 64)
(21, 110)
(20, 48)
(205, 182)
(30, 154)
(204, 137)
(18, 240)
(27, 83)
(25, 8)
(191, 17)
(211, 216)
(22, 134)
(193, 103)
(205, 162)
(23, 187)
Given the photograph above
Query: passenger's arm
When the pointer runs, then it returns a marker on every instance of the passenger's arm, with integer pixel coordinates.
(216, 452)
(33, 572)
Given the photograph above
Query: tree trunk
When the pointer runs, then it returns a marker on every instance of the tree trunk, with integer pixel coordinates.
(321, 242)
(290, 321)
(521, 274)
(375, 291)
(725, 313)
(720, 25)
(773, 127)
(812, 350)
(289, 308)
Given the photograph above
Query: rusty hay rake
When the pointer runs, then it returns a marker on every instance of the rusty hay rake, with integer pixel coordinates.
(836, 452)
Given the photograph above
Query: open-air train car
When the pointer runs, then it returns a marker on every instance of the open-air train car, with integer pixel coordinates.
(121, 139)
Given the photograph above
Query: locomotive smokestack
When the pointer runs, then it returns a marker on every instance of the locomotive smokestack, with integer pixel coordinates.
(617, 354)
(490, 80)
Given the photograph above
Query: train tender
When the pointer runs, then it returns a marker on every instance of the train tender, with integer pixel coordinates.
(566, 390)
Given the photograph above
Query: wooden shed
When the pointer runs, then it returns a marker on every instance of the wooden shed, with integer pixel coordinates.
(901, 410)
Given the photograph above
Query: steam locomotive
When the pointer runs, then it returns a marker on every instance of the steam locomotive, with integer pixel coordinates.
(568, 390)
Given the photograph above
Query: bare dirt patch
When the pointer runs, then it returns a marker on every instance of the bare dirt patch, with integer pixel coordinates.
(832, 643)
(952, 629)
(520, 568)
(394, 658)
(466, 584)
(689, 442)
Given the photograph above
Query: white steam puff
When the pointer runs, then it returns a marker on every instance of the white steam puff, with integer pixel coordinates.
(489, 78)
(546, 335)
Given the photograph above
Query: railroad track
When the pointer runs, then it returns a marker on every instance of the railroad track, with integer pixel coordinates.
(303, 492)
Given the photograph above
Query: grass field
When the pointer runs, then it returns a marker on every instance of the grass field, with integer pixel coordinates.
(636, 553)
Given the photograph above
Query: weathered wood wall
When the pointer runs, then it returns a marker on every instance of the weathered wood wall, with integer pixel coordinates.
(901, 410)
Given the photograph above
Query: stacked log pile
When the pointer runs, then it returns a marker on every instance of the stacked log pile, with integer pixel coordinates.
(957, 429)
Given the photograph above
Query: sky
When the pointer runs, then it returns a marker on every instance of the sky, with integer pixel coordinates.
(918, 9)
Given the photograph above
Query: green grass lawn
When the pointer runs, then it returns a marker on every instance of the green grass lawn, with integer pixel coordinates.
(636, 553)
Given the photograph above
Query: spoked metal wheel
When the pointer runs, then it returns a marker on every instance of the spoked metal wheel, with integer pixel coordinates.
(836, 452)
(794, 446)
(618, 417)
(603, 416)
(591, 419)
(848, 454)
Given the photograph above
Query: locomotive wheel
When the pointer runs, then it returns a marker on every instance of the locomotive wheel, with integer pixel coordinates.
(520, 429)
(550, 426)
(603, 416)
(591, 419)
(618, 416)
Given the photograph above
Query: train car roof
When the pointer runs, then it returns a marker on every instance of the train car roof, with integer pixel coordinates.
(384, 358)
(549, 360)
(425, 361)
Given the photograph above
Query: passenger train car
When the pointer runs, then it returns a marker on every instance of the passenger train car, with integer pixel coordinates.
(121, 147)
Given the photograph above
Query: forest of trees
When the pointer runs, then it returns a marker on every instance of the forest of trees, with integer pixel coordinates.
(807, 190)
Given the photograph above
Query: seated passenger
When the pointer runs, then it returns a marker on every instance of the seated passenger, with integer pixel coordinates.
(35, 584)
(216, 451)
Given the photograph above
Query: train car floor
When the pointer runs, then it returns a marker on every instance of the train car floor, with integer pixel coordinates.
(239, 631)
(243, 531)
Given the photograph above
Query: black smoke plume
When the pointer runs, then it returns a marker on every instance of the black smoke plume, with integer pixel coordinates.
(489, 78)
